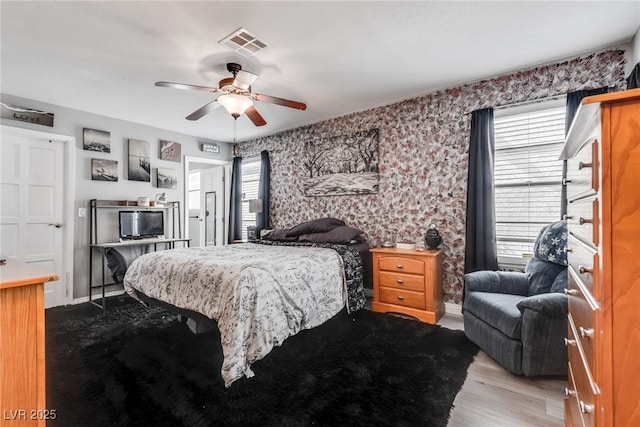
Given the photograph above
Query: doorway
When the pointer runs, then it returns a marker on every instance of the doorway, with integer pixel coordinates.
(206, 203)
(37, 194)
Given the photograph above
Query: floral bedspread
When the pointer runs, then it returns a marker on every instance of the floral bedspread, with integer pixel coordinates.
(259, 295)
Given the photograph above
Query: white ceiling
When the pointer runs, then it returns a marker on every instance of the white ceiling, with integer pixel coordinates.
(337, 57)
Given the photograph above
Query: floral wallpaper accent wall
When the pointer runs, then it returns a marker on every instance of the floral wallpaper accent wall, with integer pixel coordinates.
(423, 156)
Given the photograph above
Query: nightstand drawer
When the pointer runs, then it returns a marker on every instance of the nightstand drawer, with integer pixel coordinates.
(404, 298)
(401, 264)
(585, 387)
(411, 282)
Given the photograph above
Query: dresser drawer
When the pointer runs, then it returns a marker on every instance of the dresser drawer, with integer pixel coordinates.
(582, 219)
(582, 172)
(404, 298)
(584, 262)
(401, 264)
(572, 411)
(411, 282)
(584, 320)
(585, 386)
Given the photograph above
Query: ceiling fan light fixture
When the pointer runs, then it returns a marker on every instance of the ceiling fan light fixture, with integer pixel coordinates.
(236, 105)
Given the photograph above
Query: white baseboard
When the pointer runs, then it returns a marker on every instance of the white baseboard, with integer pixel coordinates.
(453, 309)
(97, 297)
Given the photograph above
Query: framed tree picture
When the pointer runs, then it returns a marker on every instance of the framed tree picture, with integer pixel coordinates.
(343, 164)
(96, 140)
(139, 161)
(104, 170)
(166, 178)
(170, 150)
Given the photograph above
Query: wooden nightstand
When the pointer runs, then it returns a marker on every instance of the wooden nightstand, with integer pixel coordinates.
(408, 282)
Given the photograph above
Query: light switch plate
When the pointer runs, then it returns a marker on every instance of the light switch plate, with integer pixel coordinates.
(82, 212)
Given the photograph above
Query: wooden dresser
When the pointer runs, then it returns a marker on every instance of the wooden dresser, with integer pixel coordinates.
(22, 357)
(603, 189)
(408, 282)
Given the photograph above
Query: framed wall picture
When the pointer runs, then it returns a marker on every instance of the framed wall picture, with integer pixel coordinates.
(166, 178)
(170, 150)
(342, 164)
(104, 170)
(139, 161)
(96, 140)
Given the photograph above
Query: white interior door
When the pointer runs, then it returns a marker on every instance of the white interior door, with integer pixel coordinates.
(32, 206)
(212, 181)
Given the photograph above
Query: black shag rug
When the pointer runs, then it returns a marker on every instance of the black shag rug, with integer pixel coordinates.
(135, 366)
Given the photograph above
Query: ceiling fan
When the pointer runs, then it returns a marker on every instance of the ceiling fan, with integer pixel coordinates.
(236, 97)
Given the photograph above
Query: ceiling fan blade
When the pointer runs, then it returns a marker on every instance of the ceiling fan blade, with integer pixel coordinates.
(200, 112)
(279, 101)
(244, 79)
(255, 117)
(187, 87)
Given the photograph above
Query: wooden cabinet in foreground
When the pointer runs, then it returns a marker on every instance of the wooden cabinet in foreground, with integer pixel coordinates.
(603, 214)
(22, 357)
(408, 282)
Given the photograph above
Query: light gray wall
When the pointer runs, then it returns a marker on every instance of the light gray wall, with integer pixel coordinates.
(71, 122)
(635, 48)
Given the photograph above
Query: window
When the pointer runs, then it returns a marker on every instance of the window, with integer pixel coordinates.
(528, 177)
(193, 202)
(250, 182)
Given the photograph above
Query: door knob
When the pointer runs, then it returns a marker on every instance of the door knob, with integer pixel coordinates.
(56, 225)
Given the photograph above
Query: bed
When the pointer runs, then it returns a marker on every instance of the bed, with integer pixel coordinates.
(257, 293)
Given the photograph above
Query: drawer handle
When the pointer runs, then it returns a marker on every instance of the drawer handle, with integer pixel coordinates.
(568, 249)
(569, 392)
(584, 221)
(400, 297)
(582, 269)
(399, 266)
(400, 281)
(586, 408)
(586, 333)
(568, 342)
(571, 292)
(584, 165)
(565, 181)
(567, 217)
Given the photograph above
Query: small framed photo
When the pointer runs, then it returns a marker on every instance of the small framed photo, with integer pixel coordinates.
(139, 161)
(166, 178)
(96, 140)
(170, 150)
(104, 170)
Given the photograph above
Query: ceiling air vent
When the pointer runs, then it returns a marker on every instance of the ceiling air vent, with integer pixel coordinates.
(244, 42)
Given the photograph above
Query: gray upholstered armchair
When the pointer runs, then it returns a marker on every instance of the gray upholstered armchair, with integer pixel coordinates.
(520, 319)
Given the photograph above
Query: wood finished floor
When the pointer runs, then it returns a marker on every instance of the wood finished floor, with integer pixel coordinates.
(492, 397)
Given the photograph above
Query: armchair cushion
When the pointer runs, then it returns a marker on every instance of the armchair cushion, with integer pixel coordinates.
(550, 305)
(560, 283)
(541, 275)
(498, 310)
(503, 282)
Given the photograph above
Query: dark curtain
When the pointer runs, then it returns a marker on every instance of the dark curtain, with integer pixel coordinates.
(235, 211)
(480, 250)
(264, 192)
(633, 81)
(573, 102)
